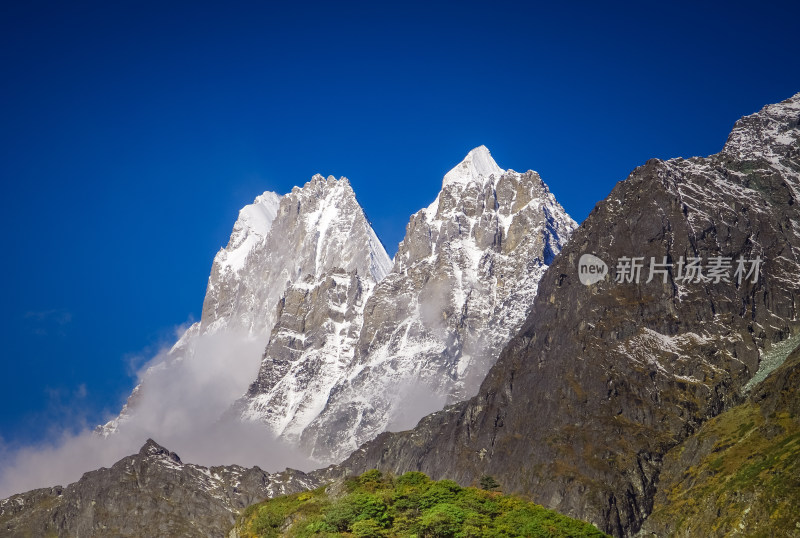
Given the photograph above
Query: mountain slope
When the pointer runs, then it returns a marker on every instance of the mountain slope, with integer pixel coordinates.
(311, 347)
(604, 379)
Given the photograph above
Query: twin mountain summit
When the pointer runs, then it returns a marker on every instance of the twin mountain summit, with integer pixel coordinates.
(638, 371)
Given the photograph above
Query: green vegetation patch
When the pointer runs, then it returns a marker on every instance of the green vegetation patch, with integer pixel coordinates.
(749, 482)
(375, 505)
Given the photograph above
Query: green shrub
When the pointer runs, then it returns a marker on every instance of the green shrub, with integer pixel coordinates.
(442, 521)
(341, 515)
(368, 528)
(439, 492)
(371, 476)
(267, 521)
(357, 507)
(413, 478)
(317, 527)
(489, 483)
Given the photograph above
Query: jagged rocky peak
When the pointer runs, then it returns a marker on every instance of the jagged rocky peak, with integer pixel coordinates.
(768, 140)
(252, 227)
(493, 208)
(154, 450)
(463, 280)
(772, 131)
(337, 229)
(313, 229)
(346, 354)
(152, 493)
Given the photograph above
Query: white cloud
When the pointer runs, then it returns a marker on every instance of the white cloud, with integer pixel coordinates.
(182, 405)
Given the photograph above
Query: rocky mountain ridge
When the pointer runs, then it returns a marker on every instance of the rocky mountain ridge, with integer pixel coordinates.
(603, 380)
(152, 493)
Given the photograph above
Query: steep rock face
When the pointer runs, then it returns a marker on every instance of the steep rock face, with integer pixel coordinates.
(463, 280)
(278, 244)
(310, 349)
(602, 380)
(151, 493)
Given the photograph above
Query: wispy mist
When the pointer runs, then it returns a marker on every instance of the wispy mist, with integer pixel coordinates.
(179, 404)
(411, 402)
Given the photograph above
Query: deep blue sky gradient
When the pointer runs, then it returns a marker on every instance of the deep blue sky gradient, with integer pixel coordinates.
(132, 132)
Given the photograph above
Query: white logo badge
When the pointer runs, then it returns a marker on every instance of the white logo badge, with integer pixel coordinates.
(591, 269)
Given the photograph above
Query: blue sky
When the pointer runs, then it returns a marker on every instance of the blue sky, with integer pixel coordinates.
(132, 132)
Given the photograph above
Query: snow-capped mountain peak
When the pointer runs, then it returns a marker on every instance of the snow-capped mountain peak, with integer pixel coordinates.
(334, 202)
(464, 277)
(252, 226)
(316, 237)
(316, 228)
(477, 164)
